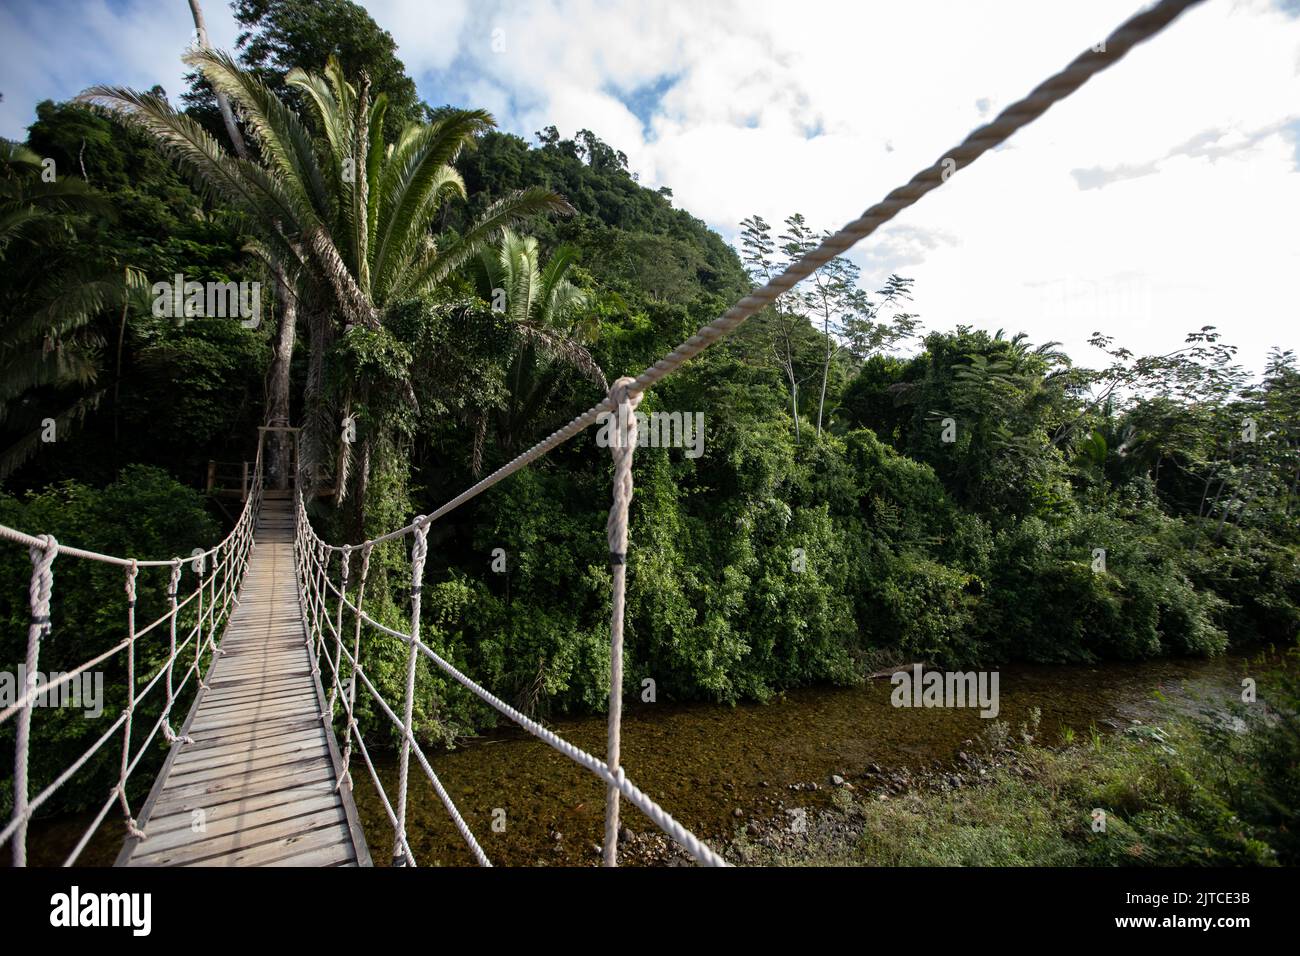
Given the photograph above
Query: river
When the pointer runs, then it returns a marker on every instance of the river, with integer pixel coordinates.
(704, 762)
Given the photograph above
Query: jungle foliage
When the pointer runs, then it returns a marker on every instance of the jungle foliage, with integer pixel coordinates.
(960, 498)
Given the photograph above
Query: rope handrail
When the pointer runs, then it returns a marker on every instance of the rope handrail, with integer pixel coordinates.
(207, 606)
(310, 576)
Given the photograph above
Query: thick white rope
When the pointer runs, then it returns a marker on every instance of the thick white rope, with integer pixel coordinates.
(38, 596)
(621, 447)
(419, 551)
(131, 826)
(1137, 29)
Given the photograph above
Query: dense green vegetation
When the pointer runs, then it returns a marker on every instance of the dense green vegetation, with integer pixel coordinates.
(866, 495)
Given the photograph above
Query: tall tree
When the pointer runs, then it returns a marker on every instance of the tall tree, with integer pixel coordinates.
(354, 214)
(49, 337)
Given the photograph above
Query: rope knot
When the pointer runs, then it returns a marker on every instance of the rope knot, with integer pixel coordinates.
(419, 551)
(131, 573)
(625, 404)
(174, 584)
(622, 443)
(42, 582)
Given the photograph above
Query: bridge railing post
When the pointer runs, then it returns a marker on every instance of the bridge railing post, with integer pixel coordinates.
(346, 560)
(132, 572)
(419, 551)
(42, 587)
(356, 665)
(623, 438)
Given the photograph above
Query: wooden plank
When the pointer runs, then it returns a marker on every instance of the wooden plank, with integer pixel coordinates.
(219, 750)
(310, 850)
(249, 767)
(244, 718)
(181, 818)
(237, 820)
(249, 762)
(245, 840)
(253, 735)
(181, 799)
(264, 764)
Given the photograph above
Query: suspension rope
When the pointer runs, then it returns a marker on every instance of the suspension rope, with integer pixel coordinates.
(1137, 29)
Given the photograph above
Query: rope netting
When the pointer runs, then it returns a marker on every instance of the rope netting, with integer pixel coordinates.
(327, 606)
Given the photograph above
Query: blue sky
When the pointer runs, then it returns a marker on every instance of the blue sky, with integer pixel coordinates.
(1163, 196)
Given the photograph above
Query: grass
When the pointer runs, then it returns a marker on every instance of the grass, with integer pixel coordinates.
(1189, 792)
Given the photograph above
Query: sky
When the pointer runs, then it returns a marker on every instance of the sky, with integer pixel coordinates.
(1163, 196)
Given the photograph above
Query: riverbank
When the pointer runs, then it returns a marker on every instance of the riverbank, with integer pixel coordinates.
(1184, 792)
(1151, 795)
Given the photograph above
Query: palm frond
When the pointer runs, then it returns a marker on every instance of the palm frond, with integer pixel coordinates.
(506, 212)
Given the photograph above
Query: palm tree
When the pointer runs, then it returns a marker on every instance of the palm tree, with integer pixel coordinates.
(546, 312)
(48, 336)
(350, 214)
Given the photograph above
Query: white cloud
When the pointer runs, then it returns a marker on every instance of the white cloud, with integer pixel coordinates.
(823, 107)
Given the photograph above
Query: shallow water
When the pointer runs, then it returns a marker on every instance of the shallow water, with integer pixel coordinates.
(702, 762)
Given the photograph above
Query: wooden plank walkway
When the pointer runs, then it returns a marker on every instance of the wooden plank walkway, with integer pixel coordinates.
(264, 764)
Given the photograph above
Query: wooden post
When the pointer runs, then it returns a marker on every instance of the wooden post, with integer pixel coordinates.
(243, 488)
(212, 476)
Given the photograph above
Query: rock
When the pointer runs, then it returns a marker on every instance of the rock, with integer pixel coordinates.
(557, 836)
(624, 835)
(837, 780)
(737, 813)
(762, 783)
(752, 829)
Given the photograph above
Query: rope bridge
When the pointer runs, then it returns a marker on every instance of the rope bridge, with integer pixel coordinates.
(330, 580)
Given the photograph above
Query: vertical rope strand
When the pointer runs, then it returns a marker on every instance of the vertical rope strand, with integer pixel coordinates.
(131, 828)
(39, 592)
(419, 551)
(356, 666)
(173, 586)
(346, 562)
(623, 438)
